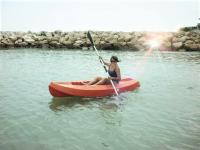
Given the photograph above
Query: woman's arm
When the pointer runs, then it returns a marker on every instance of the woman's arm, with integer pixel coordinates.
(107, 64)
(118, 73)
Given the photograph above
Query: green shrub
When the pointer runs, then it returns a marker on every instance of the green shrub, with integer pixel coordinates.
(186, 29)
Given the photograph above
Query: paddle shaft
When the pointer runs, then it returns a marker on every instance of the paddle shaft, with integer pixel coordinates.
(101, 60)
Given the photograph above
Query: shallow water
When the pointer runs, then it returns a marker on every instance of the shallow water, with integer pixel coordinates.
(164, 113)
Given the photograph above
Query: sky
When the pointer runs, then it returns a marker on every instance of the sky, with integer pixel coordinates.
(98, 15)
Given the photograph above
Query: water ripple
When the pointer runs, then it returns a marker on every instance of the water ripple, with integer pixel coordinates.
(162, 114)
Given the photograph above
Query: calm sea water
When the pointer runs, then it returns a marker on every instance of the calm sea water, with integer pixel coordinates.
(163, 114)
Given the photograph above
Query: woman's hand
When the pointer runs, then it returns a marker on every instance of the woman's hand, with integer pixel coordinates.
(101, 60)
(110, 78)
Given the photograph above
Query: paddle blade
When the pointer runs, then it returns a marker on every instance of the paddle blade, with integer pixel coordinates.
(90, 38)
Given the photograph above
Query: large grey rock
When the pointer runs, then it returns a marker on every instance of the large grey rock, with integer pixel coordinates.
(189, 42)
(68, 44)
(23, 44)
(13, 38)
(177, 45)
(43, 42)
(127, 38)
(120, 39)
(41, 38)
(55, 38)
(66, 37)
(29, 40)
(197, 41)
(79, 42)
(62, 40)
(4, 41)
(108, 38)
(183, 39)
(19, 41)
(166, 45)
(123, 44)
(97, 41)
(102, 42)
(107, 46)
(115, 36)
(72, 39)
(113, 41)
(54, 43)
(192, 47)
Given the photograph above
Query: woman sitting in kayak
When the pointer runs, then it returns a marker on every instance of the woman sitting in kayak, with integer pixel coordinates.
(113, 71)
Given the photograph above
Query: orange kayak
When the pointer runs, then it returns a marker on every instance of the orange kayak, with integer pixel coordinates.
(63, 89)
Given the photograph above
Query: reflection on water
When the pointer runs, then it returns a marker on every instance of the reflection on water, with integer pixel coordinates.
(59, 104)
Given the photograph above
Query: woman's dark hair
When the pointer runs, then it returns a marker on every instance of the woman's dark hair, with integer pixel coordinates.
(115, 58)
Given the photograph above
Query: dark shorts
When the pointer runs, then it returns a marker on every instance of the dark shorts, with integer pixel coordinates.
(115, 81)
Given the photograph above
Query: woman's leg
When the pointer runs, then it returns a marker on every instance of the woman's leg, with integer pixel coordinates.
(102, 81)
(97, 79)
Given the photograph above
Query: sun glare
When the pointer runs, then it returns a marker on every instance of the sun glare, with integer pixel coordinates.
(154, 43)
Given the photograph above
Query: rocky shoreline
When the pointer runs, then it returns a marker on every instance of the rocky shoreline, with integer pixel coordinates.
(183, 40)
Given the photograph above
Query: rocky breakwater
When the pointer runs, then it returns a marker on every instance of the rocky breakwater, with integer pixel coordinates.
(182, 40)
(72, 40)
